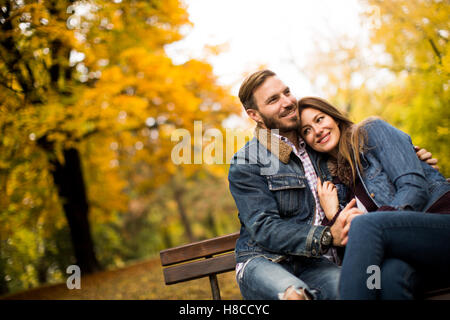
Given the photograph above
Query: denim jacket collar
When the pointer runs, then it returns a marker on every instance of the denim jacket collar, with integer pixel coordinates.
(280, 148)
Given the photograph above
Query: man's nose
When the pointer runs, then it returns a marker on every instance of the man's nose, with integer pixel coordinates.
(285, 101)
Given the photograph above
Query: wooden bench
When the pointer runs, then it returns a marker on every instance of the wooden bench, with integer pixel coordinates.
(205, 258)
(210, 257)
(440, 294)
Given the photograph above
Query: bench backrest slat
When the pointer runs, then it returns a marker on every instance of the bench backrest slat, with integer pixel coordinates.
(199, 269)
(199, 249)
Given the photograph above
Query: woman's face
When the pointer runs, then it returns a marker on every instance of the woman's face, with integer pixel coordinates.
(319, 130)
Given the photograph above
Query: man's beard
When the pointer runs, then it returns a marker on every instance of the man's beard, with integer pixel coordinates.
(272, 123)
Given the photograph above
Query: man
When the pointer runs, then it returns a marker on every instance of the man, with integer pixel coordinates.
(283, 251)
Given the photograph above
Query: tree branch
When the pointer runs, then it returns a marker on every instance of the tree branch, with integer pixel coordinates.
(435, 50)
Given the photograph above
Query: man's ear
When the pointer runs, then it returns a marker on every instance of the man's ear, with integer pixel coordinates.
(254, 114)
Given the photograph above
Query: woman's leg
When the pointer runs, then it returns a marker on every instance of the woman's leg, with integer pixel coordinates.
(400, 281)
(421, 240)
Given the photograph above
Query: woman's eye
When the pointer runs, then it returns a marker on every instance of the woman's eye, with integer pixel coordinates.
(319, 119)
(306, 131)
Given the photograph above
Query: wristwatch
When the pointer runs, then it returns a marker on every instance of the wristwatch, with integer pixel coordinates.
(326, 241)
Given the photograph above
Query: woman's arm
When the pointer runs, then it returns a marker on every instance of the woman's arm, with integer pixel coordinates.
(396, 154)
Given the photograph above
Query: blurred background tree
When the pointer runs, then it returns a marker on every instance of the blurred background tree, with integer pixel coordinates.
(400, 72)
(415, 35)
(89, 100)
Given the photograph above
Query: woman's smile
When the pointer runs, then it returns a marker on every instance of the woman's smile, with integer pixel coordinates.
(319, 130)
(324, 139)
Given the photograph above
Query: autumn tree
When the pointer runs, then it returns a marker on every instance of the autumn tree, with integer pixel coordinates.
(88, 96)
(400, 72)
(415, 35)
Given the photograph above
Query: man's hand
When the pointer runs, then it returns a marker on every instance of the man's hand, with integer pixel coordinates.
(340, 228)
(328, 198)
(347, 228)
(426, 156)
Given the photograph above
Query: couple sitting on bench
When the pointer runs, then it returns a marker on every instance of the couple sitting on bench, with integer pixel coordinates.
(334, 210)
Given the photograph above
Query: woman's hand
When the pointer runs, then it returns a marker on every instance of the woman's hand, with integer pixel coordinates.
(328, 198)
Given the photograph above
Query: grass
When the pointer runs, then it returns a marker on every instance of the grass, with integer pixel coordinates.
(139, 281)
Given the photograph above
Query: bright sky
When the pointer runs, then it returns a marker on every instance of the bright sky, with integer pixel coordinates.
(264, 32)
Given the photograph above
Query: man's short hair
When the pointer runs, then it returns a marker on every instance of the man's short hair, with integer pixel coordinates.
(250, 84)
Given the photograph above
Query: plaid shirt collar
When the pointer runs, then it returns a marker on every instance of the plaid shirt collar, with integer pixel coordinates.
(301, 144)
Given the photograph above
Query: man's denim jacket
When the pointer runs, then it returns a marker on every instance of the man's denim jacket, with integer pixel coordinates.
(392, 173)
(276, 206)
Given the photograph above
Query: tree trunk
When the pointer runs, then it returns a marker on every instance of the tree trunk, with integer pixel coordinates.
(177, 194)
(166, 238)
(41, 269)
(68, 178)
(3, 205)
(3, 284)
(211, 223)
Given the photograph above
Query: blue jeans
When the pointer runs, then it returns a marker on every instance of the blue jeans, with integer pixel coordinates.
(414, 244)
(262, 279)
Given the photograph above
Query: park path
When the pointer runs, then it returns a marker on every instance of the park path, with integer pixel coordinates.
(139, 281)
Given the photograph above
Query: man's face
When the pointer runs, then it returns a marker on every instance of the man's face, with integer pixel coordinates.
(277, 107)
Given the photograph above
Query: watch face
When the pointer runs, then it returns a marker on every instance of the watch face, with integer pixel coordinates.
(326, 240)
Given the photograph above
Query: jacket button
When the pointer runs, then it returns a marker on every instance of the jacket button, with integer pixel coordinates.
(372, 195)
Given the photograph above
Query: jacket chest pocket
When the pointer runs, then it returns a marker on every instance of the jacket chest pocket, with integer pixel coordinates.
(288, 190)
(371, 166)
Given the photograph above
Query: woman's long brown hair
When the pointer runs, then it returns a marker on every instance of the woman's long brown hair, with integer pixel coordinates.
(352, 139)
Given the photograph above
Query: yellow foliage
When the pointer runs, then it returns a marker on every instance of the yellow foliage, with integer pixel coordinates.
(105, 87)
(408, 43)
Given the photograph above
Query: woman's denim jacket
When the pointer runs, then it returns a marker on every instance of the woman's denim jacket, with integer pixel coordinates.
(276, 206)
(392, 173)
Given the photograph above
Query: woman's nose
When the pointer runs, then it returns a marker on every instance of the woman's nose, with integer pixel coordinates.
(317, 130)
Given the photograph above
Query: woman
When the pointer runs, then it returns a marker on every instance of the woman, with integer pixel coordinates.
(378, 166)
